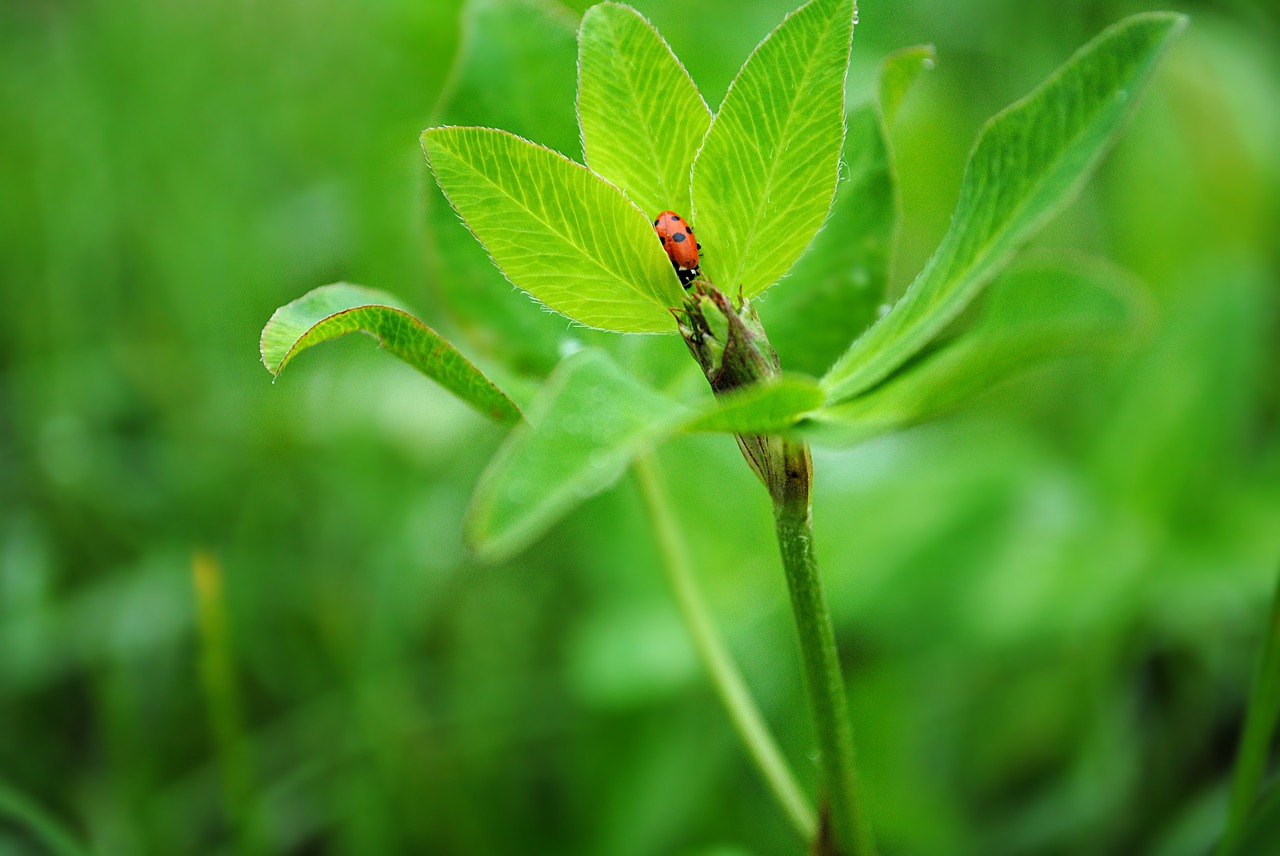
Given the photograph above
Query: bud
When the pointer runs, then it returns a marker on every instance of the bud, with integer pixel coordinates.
(730, 345)
(733, 350)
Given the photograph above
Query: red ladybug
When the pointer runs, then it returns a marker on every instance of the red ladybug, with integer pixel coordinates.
(677, 239)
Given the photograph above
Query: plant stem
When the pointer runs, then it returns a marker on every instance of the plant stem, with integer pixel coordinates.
(725, 677)
(731, 346)
(791, 489)
(1259, 729)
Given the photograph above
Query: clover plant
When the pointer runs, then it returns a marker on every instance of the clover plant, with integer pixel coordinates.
(791, 190)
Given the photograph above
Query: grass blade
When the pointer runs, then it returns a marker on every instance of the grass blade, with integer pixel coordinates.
(1255, 741)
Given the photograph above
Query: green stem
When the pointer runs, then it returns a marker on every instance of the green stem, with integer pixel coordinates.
(731, 346)
(791, 489)
(724, 675)
(1259, 728)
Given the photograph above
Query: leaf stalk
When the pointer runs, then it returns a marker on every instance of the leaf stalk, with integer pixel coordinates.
(844, 831)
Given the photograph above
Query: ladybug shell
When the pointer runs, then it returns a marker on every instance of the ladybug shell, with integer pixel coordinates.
(677, 239)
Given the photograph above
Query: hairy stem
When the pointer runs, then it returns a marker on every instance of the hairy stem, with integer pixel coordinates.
(731, 346)
(845, 831)
(724, 675)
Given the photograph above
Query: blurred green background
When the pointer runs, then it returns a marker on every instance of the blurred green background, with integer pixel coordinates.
(238, 618)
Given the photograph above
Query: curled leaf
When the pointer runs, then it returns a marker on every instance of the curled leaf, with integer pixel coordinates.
(335, 310)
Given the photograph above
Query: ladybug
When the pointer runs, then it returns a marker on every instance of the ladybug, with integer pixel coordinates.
(677, 239)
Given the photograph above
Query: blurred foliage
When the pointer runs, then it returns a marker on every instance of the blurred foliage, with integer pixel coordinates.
(1050, 604)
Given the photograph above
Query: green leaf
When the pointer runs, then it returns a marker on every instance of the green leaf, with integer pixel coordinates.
(898, 73)
(1034, 314)
(641, 115)
(765, 177)
(335, 310)
(836, 288)
(556, 229)
(584, 427)
(516, 69)
(1029, 162)
(763, 408)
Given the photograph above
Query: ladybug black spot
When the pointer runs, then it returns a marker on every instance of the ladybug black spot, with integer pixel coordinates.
(656, 222)
(678, 237)
(675, 217)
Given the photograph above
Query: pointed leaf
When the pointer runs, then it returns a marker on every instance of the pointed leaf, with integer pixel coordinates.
(1037, 313)
(556, 229)
(837, 287)
(1029, 162)
(641, 115)
(335, 310)
(584, 427)
(764, 179)
(897, 74)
